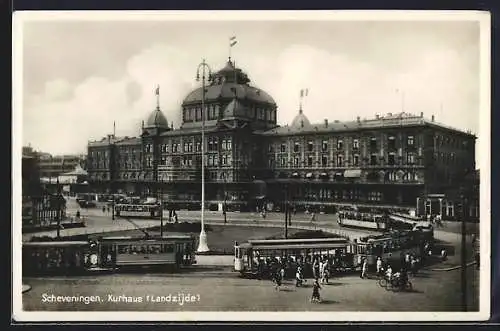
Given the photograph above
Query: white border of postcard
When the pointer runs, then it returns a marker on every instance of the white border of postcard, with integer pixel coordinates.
(483, 18)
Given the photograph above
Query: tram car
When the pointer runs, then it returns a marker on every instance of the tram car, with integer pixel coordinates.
(138, 210)
(260, 258)
(171, 250)
(58, 258)
(355, 218)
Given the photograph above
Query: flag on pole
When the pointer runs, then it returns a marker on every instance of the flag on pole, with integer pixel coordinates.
(157, 91)
(301, 93)
(307, 91)
(232, 41)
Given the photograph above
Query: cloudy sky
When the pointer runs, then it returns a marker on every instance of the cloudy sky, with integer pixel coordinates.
(80, 76)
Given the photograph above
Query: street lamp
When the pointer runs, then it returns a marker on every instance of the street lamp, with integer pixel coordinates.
(205, 69)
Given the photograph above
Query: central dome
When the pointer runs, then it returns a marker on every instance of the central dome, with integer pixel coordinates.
(229, 82)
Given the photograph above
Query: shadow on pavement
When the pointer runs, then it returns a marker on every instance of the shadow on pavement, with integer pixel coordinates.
(334, 284)
(286, 289)
(328, 302)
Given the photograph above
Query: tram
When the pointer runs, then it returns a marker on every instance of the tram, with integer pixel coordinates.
(58, 257)
(258, 258)
(369, 219)
(138, 210)
(391, 246)
(169, 250)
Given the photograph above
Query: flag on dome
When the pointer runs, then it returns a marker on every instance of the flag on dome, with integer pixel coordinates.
(232, 41)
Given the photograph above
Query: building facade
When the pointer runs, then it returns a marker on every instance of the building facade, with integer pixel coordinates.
(395, 160)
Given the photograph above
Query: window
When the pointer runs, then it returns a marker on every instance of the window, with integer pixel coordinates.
(324, 146)
(411, 140)
(355, 160)
(410, 158)
(310, 161)
(229, 144)
(373, 143)
(198, 146)
(373, 159)
(391, 144)
(324, 161)
(375, 196)
(270, 149)
(190, 147)
(391, 159)
(185, 147)
(296, 162)
(283, 162)
(283, 148)
(340, 144)
(355, 144)
(310, 146)
(163, 160)
(296, 147)
(340, 160)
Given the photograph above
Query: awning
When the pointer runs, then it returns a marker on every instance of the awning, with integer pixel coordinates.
(295, 174)
(309, 175)
(323, 174)
(354, 173)
(259, 197)
(339, 174)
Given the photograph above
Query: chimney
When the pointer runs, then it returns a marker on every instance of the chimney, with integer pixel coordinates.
(432, 118)
(377, 116)
(326, 122)
(422, 114)
(389, 114)
(358, 119)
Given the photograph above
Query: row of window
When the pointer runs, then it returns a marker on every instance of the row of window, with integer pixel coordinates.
(189, 147)
(215, 112)
(410, 141)
(341, 161)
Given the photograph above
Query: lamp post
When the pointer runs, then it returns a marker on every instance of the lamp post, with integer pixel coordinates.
(59, 208)
(463, 252)
(205, 69)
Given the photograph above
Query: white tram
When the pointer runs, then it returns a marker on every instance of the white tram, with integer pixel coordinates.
(364, 220)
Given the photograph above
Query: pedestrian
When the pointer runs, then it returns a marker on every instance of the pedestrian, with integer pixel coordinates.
(103, 209)
(364, 269)
(379, 266)
(315, 294)
(443, 254)
(315, 268)
(313, 217)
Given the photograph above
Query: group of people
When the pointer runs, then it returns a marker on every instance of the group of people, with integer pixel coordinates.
(279, 276)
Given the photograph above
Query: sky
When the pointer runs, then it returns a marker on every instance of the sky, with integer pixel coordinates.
(80, 76)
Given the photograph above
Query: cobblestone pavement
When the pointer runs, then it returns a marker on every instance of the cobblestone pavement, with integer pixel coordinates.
(218, 288)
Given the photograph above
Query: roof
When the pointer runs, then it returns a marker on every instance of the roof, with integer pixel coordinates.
(300, 121)
(229, 90)
(156, 120)
(79, 171)
(55, 243)
(299, 246)
(229, 82)
(390, 121)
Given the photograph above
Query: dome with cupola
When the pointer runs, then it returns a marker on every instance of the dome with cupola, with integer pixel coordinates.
(300, 121)
(227, 83)
(156, 120)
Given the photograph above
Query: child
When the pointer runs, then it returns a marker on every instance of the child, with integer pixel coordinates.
(315, 295)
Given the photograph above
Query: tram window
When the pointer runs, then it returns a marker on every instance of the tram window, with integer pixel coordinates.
(168, 248)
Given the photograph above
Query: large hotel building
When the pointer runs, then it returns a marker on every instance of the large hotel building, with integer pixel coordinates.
(392, 160)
